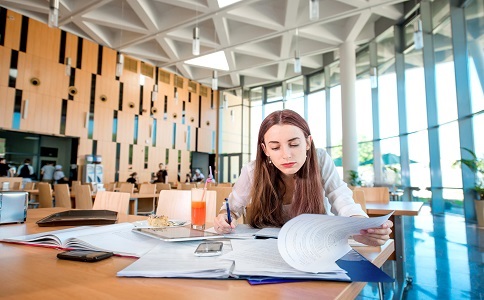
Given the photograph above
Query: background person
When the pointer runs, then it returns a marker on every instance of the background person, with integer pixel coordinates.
(162, 174)
(198, 176)
(47, 172)
(26, 171)
(288, 178)
(59, 176)
(3, 167)
(133, 178)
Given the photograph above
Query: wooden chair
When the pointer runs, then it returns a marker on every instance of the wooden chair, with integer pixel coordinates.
(109, 187)
(176, 204)
(45, 195)
(162, 186)
(222, 193)
(74, 185)
(29, 185)
(224, 184)
(115, 201)
(375, 194)
(16, 186)
(187, 186)
(359, 197)
(62, 196)
(147, 206)
(83, 197)
(126, 187)
(11, 181)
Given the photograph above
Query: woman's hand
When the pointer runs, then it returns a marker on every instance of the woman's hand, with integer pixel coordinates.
(221, 226)
(375, 236)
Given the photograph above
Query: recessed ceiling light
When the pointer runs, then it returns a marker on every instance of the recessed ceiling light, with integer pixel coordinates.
(215, 60)
(223, 3)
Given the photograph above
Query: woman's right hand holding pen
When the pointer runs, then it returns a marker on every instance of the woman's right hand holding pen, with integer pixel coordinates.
(221, 225)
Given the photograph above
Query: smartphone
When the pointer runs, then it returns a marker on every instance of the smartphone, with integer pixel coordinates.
(86, 256)
(209, 249)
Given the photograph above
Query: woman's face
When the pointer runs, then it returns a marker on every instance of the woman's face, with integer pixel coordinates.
(287, 147)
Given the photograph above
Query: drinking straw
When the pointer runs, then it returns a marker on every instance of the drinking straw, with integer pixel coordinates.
(206, 181)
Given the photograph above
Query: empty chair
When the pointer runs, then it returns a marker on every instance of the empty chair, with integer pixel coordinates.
(359, 197)
(62, 195)
(176, 204)
(29, 186)
(74, 186)
(187, 186)
(83, 197)
(45, 195)
(146, 206)
(110, 186)
(15, 186)
(126, 187)
(162, 186)
(375, 194)
(115, 201)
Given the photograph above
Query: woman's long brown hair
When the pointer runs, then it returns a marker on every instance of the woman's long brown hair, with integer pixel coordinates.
(268, 189)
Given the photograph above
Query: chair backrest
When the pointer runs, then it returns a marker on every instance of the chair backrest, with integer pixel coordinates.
(109, 186)
(45, 195)
(116, 201)
(187, 186)
(147, 188)
(222, 193)
(62, 195)
(375, 194)
(29, 185)
(15, 186)
(74, 185)
(359, 197)
(126, 187)
(162, 186)
(83, 197)
(177, 204)
(224, 184)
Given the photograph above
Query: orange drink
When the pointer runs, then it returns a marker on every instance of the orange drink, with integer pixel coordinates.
(198, 213)
(198, 208)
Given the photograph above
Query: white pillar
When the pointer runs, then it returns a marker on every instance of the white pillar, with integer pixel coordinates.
(348, 107)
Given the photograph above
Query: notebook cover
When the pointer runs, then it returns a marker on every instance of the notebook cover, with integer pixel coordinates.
(79, 217)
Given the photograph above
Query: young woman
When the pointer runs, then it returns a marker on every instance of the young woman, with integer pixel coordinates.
(290, 177)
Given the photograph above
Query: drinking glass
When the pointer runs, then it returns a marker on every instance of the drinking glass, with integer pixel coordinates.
(198, 208)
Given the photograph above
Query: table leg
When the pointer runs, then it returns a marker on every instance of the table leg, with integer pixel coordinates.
(401, 272)
(133, 206)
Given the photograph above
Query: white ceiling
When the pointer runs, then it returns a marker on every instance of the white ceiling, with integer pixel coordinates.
(257, 36)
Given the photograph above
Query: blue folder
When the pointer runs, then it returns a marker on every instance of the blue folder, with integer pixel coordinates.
(357, 267)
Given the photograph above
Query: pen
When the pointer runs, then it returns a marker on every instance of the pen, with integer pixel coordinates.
(229, 218)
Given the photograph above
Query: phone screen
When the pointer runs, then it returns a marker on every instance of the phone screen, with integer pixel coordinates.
(209, 249)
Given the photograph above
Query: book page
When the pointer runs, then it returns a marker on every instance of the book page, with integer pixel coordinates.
(261, 258)
(177, 259)
(117, 238)
(313, 242)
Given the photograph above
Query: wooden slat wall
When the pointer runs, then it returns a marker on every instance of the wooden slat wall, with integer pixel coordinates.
(42, 59)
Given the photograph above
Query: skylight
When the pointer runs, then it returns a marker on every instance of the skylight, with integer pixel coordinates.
(215, 60)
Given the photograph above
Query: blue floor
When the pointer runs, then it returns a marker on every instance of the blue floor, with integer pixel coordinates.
(444, 259)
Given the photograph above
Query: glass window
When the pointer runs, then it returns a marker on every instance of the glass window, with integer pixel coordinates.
(296, 104)
(475, 44)
(418, 145)
(273, 93)
(444, 75)
(415, 91)
(295, 88)
(387, 100)
(317, 117)
(316, 82)
(335, 116)
(390, 161)
(364, 119)
(449, 153)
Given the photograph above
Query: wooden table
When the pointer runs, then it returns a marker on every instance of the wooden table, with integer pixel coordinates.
(29, 272)
(133, 203)
(400, 208)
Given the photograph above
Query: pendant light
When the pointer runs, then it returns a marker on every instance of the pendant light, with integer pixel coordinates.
(53, 14)
(214, 80)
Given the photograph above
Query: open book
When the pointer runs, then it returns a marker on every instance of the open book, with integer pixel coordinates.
(308, 247)
(117, 238)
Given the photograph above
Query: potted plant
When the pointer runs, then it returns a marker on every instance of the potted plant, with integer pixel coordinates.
(354, 178)
(476, 165)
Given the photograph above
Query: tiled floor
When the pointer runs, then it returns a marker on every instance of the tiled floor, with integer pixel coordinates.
(444, 259)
